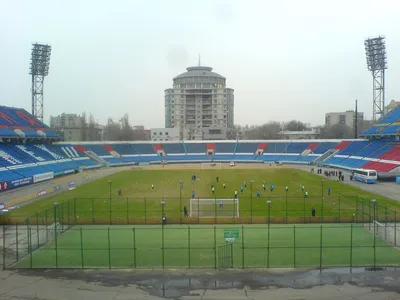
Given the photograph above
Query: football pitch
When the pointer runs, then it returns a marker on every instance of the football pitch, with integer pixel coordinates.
(99, 203)
(182, 246)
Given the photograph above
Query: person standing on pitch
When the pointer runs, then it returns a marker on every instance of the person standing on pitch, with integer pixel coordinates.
(152, 187)
(217, 179)
(329, 191)
(241, 189)
(264, 187)
(245, 184)
(235, 195)
(258, 194)
(221, 204)
(193, 193)
(213, 190)
(224, 185)
(287, 188)
(185, 211)
(302, 188)
(313, 212)
(119, 191)
(306, 195)
(271, 187)
(164, 219)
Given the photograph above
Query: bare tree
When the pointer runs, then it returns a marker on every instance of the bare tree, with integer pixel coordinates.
(337, 131)
(266, 131)
(112, 131)
(294, 126)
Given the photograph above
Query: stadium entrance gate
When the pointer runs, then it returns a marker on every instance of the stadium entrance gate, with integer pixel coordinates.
(225, 256)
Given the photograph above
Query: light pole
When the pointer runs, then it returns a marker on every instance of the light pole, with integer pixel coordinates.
(269, 215)
(373, 201)
(322, 200)
(109, 206)
(251, 200)
(180, 199)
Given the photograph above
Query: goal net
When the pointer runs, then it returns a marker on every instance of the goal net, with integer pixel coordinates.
(52, 231)
(212, 208)
(387, 232)
(211, 165)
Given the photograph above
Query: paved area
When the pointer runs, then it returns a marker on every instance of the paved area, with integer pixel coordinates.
(199, 285)
(386, 189)
(29, 193)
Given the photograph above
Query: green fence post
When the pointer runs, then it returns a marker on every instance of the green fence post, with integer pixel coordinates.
(268, 238)
(145, 211)
(357, 209)
(294, 246)
(127, 211)
(339, 210)
(286, 207)
(215, 247)
(242, 247)
(110, 209)
(134, 247)
(4, 248)
(162, 246)
(362, 211)
(320, 252)
(215, 209)
(37, 228)
(30, 248)
(55, 206)
(75, 210)
(93, 220)
(395, 232)
(17, 239)
(351, 247)
(82, 259)
(189, 245)
(69, 214)
(109, 248)
(386, 214)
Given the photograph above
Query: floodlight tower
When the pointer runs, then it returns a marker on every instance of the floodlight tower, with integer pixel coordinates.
(375, 49)
(40, 62)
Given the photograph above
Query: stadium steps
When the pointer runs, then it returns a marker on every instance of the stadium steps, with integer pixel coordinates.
(112, 151)
(210, 149)
(158, 148)
(327, 155)
(261, 148)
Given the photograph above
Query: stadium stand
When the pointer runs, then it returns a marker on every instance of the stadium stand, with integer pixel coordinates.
(29, 151)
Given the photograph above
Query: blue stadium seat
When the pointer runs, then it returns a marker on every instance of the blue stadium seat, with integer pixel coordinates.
(225, 147)
(144, 148)
(176, 148)
(297, 147)
(246, 147)
(195, 147)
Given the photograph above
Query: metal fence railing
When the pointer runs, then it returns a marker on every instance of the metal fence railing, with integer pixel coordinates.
(128, 233)
(194, 246)
(111, 211)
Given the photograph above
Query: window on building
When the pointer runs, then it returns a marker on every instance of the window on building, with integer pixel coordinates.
(154, 133)
(160, 133)
(166, 133)
(342, 119)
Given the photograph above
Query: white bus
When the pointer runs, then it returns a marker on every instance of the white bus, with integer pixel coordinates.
(366, 176)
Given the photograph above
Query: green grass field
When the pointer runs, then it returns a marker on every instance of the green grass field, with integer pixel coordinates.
(182, 246)
(154, 246)
(138, 200)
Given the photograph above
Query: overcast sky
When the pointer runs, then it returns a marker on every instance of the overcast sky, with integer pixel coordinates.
(284, 59)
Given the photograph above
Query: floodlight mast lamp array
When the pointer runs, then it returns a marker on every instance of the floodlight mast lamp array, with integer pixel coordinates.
(375, 50)
(39, 69)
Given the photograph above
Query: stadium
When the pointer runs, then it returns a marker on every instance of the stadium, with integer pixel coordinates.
(195, 204)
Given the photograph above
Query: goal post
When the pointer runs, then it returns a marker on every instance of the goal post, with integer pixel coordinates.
(213, 208)
(389, 233)
(211, 165)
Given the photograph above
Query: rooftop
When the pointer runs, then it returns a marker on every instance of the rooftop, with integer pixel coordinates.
(199, 71)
